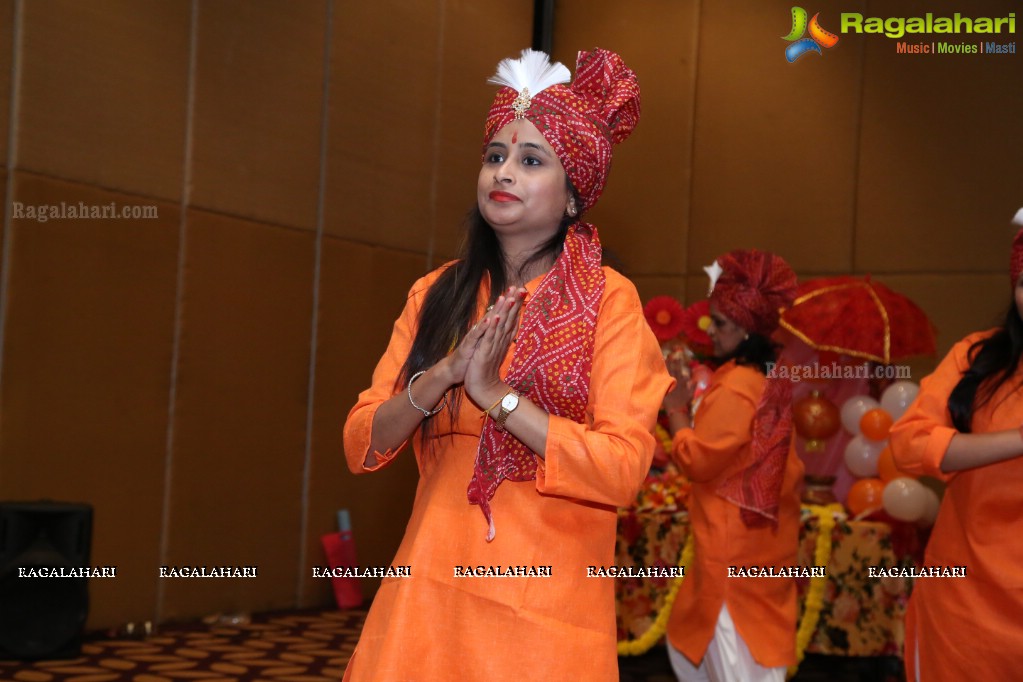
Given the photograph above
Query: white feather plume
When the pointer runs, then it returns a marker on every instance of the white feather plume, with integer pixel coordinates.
(533, 71)
(713, 271)
(1018, 219)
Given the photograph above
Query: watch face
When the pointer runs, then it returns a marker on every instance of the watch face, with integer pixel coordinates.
(510, 401)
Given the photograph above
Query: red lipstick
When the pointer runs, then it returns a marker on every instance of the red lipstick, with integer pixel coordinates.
(497, 195)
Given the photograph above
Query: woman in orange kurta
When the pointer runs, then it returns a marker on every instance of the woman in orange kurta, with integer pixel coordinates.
(744, 501)
(965, 427)
(527, 434)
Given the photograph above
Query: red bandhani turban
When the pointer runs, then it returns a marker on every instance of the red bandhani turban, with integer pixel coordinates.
(581, 121)
(753, 288)
(1016, 261)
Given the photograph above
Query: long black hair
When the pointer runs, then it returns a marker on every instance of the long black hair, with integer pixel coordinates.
(756, 350)
(450, 307)
(993, 361)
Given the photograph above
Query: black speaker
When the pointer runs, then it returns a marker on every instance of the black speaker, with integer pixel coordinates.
(43, 617)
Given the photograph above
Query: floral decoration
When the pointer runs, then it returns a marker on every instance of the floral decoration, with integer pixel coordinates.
(666, 491)
(695, 322)
(664, 315)
(653, 635)
(814, 600)
(846, 613)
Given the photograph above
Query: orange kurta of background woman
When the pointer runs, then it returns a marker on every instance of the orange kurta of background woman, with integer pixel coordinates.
(763, 609)
(967, 628)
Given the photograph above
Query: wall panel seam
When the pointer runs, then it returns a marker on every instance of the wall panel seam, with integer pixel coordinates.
(186, 191)
(855, 198)
(12, 163)
(692, 151)
(303, 546)
(438, 112)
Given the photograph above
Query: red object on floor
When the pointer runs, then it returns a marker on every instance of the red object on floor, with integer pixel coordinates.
(340, 549)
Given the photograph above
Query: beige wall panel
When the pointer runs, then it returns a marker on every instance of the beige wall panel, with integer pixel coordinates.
(383, 105)
(696, 287)
(957, 304)
(649, 286)
(6, 41)
(258, 109)
(644, 215)
(240, 413)
(86, 365)
(363, 290)
(939, 178)
(103, 93)
(467, 63)
(774, 163)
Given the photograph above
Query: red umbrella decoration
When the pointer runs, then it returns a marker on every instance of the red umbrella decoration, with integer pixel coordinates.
(859, 317)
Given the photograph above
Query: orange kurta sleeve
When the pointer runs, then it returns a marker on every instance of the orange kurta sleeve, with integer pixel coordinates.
(606, 460)
(921, 437)
(358, 428)
(724, 426)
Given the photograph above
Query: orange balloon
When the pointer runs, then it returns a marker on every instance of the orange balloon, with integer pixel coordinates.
(865, 494)
(886, 467)
(875, 424)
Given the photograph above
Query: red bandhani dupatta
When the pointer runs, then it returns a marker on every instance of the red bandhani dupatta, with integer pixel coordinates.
(757, 489)
(551, 364)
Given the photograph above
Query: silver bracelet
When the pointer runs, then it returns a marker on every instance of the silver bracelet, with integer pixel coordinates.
(426, 413)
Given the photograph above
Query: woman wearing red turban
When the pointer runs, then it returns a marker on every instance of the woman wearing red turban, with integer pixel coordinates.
(965, 427)
(528, 432)
(744, 503)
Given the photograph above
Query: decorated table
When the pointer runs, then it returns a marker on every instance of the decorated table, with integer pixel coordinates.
(845, 613)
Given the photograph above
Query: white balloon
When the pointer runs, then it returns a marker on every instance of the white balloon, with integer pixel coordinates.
(861, 456)
(854, 409)
(931, 508)
(897, 398)
(905, 499)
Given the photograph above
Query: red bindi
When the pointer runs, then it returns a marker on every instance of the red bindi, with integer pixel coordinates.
(515, 138)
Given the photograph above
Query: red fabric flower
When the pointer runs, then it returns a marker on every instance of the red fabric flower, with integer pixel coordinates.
(664, 315)
(695, 321)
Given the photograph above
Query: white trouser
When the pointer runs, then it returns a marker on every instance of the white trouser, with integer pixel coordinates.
(727, 659)
(916, 656)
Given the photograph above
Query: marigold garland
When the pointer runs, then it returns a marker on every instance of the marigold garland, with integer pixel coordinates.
(814, 600)
(664, 437)
(643, 644)
(812, 603)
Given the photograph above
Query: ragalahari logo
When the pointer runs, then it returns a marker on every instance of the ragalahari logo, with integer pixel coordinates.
(819, 37)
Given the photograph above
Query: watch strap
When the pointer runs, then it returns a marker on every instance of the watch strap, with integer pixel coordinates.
(502, 415)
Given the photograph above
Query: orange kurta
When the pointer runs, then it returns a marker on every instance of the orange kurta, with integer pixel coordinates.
(966, 628)
(764, 609)
(434, 626)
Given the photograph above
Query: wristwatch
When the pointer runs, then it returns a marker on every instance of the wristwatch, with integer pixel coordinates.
(508, 404)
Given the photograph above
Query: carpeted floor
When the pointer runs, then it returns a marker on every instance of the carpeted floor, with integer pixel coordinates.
(313, 646)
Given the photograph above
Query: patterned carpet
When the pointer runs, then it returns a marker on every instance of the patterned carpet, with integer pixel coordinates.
(311, 646)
